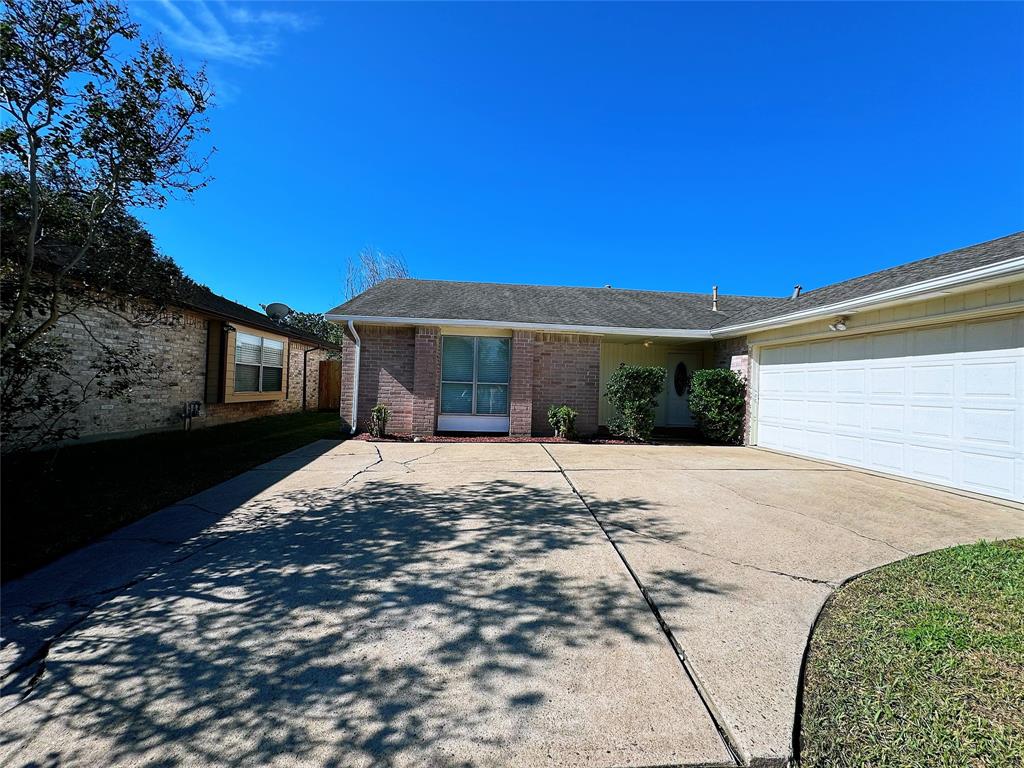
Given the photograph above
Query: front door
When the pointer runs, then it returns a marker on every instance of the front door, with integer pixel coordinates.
(680, 366)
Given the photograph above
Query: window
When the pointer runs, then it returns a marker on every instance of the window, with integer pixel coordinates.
(474, 375)
(259, 363)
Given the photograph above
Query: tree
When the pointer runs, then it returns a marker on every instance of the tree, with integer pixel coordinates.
(85, 137)
(318, 325)
(370, 267)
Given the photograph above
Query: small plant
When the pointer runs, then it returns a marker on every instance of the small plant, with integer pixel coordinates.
(718, 399)
(379, 416)
(562, 419)
(633, 392)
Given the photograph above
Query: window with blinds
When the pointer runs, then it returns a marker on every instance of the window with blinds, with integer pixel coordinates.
(259, 363)
(474, 375)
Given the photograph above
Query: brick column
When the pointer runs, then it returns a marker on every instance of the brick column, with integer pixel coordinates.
(425, 380)
(348, 368)
(521, 384)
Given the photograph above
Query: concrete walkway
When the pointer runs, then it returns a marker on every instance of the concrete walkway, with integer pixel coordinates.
(363, 604)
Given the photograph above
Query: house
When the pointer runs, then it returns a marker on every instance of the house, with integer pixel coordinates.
(225, 360)
(916, 371)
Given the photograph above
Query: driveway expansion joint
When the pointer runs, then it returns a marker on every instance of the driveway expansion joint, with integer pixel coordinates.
(702, 694)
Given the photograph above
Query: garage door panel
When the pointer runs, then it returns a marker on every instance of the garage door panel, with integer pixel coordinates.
(988, 425)
(888, 381)
(987, 473)
(990, 379)
(886, 417)
(931, 380)
(935, 464)
(819, 382)
(931, 421)
(886, 456)
(850, 381)
(943, 404)
(849, 448)
(849, 415)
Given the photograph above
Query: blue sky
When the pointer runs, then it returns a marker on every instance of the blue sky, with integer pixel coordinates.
(652, 146)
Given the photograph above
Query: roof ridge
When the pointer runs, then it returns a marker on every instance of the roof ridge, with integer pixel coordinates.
(691, 294)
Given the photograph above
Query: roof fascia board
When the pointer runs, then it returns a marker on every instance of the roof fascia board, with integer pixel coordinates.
(675, 333)
(919, 290)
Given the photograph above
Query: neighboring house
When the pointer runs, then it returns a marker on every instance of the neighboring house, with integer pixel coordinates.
(231, 362)
(916, 370)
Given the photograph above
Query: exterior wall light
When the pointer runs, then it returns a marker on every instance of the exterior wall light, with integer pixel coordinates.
(839, 324)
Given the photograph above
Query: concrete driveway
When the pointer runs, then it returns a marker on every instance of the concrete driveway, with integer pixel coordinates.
(362, 604)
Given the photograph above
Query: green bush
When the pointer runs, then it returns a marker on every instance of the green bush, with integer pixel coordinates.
(379, 416)
(633, 394)
(562, 419)
(718, 400)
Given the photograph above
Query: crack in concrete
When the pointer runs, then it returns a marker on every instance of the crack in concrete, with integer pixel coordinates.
(722, 558)
(712, 711)
(804, 514)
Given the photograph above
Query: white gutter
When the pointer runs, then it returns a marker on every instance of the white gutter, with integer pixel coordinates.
(355, 376)
(915, 290)
(676, 333)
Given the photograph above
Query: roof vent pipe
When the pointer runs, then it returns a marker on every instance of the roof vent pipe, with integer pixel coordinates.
(796, 291)
(714, 298)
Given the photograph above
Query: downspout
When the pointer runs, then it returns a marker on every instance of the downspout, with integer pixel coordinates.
(355, 375)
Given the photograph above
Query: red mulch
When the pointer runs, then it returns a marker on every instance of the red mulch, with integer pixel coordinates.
(484, 439)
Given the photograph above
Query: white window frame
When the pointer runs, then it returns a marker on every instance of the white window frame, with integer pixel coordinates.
(473, 421)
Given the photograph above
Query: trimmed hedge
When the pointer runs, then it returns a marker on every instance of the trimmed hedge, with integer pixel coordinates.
(633, 392)
(718, 401)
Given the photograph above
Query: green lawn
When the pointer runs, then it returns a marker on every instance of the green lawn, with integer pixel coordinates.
(921, 663)
(56, 501)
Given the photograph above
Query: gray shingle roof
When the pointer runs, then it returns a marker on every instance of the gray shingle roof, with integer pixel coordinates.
(546, 304)
(960, 260)
(621, 308)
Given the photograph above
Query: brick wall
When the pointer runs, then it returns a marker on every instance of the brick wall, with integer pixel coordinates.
(521, 384)
(566, 371)
(427, 380)
(386, 376)
(176, 343)
(734, 354)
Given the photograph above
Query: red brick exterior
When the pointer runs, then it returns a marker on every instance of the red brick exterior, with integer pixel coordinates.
(734, 354)
(401, 367)
(566, 371)
(386, 376)
(521, 384)
(426, 380)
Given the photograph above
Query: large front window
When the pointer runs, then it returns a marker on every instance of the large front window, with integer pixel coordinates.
(474, 375)
(259, 363)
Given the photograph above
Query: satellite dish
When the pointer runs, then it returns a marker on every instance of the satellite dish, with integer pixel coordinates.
(278, 311)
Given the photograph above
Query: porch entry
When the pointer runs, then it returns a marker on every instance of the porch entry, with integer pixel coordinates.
(679, 367)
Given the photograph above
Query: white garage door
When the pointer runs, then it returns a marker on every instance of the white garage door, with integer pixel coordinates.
(943, 403)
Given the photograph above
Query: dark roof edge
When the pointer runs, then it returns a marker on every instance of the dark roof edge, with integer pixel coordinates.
(1011, 267)
(227, 309)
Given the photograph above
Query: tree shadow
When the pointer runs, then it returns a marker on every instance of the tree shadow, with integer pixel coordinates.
(389, 622)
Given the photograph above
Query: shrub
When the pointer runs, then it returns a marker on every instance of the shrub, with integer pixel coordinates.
(379, 416)
(718, 401)
(562, 419)
(633, 392)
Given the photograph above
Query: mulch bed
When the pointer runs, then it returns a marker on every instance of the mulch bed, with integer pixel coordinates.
(365, 436)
